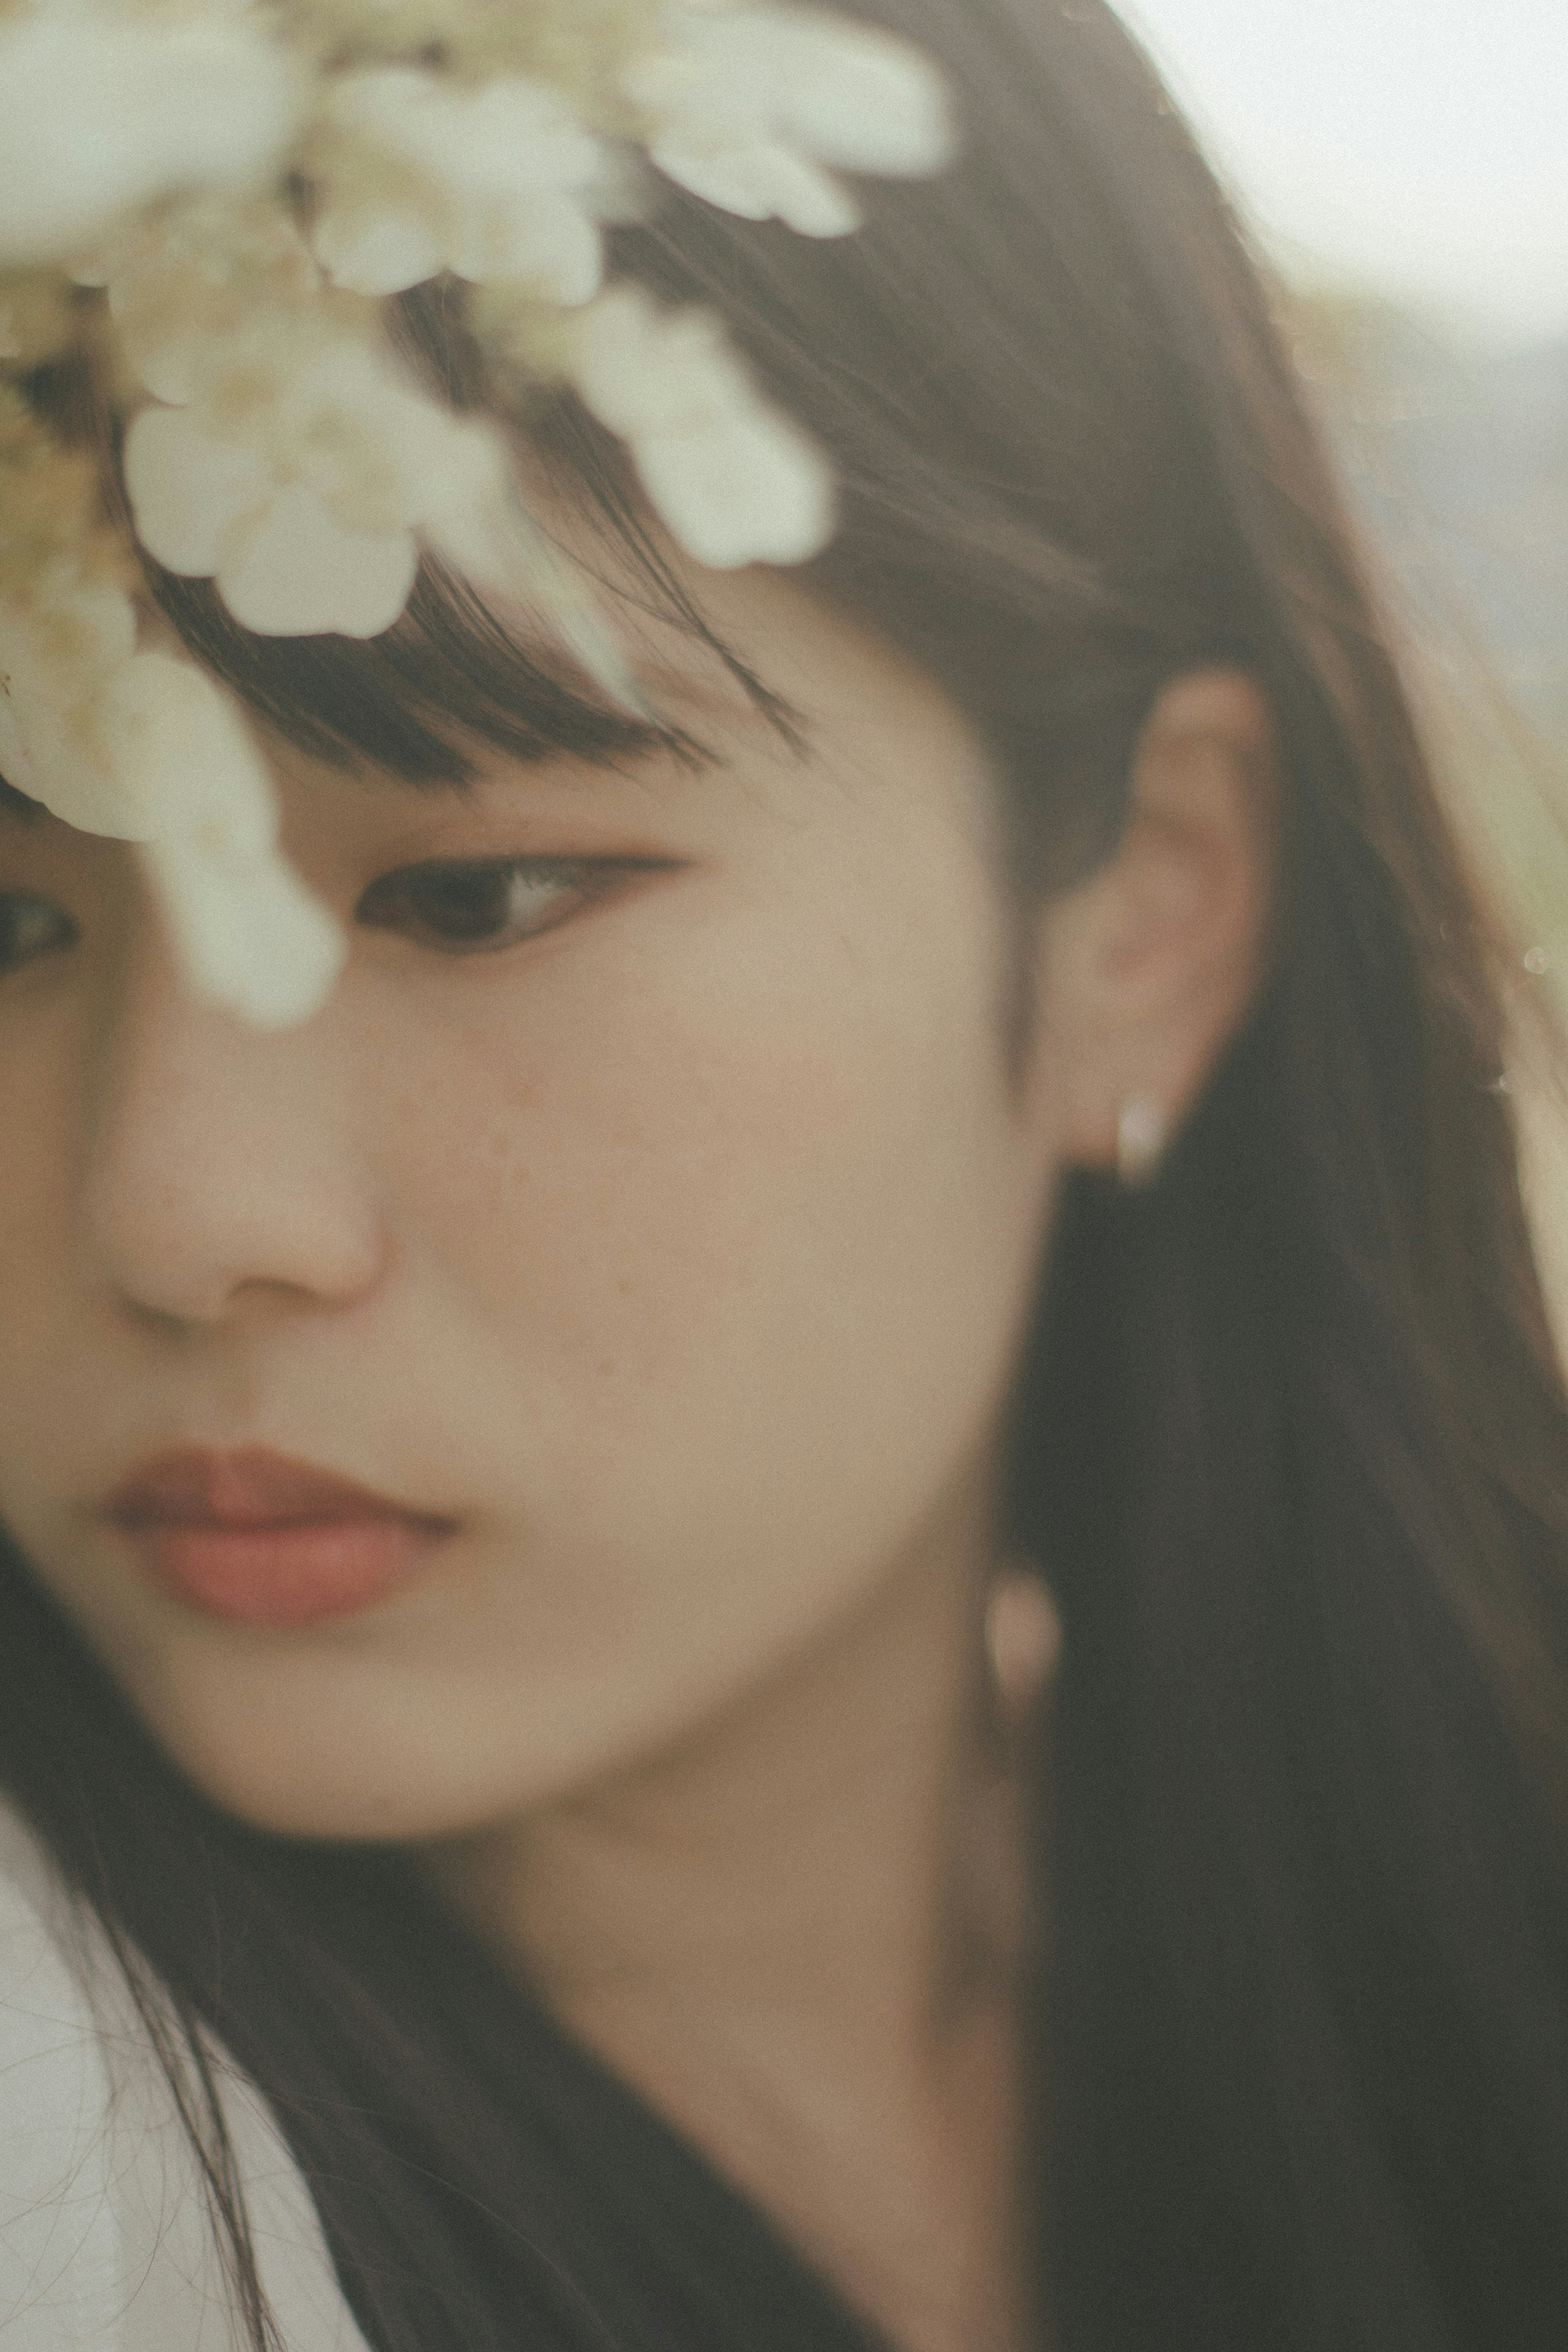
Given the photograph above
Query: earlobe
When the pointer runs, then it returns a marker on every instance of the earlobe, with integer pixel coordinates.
(1151, 965)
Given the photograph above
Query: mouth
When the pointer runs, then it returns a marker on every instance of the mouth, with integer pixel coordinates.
(261, 1539)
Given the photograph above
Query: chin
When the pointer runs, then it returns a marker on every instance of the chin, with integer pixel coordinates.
(315, 1747)
(311, 1770)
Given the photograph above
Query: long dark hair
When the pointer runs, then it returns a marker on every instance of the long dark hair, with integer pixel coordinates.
(1289, 1438)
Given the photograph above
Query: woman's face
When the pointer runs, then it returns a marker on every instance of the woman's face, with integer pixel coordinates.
(666, 1252)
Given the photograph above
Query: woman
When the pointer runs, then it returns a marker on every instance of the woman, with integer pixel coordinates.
(990, 1075)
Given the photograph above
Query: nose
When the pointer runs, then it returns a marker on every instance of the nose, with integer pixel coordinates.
(219, 1166)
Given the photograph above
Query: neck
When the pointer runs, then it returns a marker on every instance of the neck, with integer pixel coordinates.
(779, 1934)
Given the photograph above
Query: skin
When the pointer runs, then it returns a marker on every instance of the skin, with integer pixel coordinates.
(681, 1255)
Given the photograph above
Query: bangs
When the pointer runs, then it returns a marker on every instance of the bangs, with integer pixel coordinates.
(451, 677)
(420, 700)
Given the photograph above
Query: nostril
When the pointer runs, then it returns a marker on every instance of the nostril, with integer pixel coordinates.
(198, 1256)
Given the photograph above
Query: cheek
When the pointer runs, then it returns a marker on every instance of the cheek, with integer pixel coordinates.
(737, 1242)
(764, 1152)
(710, 1239)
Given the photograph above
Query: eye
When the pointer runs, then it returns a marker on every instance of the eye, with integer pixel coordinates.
(31, 927)
(476, 906)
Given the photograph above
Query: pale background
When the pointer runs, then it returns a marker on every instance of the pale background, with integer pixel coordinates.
(1417, 146)
(1402, 165)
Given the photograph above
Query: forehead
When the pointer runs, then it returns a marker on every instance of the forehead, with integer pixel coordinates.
(739, 675)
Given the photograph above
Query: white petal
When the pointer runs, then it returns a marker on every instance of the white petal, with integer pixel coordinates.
(507, 138)
(299, 573)
(621, 191)
(169, 365)
(668, 80)
(100, 111)
(762, 182)
(365, 434)
(515, 135)
(188, 488)
(50, 680)
(544, 239)
(859, 97)
(382, 457)
(185, 756)
(250, 938)
(80, 789)
(466, 490)
(247, 933)
(641, 370)
(104, 626)
(378, 253)
(749, 488)
(345, 374)
(852, 95)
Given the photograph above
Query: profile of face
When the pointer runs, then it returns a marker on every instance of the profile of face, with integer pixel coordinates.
(655, 1213)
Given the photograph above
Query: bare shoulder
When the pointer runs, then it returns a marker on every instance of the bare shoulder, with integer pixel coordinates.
(107, 2243)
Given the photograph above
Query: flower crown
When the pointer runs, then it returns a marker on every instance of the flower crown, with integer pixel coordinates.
(247, 183)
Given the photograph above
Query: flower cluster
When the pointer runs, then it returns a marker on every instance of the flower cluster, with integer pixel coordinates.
(131, 742)
(219, 196)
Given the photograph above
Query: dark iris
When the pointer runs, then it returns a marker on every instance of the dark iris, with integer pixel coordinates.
(31, 927)
(467, 907)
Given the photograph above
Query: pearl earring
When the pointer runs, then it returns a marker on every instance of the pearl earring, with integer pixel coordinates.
(1141, 1139)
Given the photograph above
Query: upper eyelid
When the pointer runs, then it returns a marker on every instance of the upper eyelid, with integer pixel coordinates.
(410, 874)
(541, 861)
(586, 880)
(563, 866)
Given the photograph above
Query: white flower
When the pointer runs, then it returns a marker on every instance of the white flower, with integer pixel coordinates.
(191, 275)
(291, 464)
(749, 105)
(56, 657)
(104, 107)
(735, 482)
(492, 183)
(303, 481)
(145, 747)
(248, 935)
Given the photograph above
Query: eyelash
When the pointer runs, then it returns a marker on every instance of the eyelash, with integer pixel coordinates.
(460, 907)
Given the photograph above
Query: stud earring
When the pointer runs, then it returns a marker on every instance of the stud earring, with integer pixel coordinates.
(1023, 1636)
(1141, 1139)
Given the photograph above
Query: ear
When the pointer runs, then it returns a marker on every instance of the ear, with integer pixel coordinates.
(1149, 967)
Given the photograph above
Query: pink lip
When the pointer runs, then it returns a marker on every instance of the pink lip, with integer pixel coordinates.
(260, 1539)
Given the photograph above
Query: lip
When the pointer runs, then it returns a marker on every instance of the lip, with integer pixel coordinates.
(260, 1539)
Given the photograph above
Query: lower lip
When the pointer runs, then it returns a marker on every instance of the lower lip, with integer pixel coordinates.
(287, 1573)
